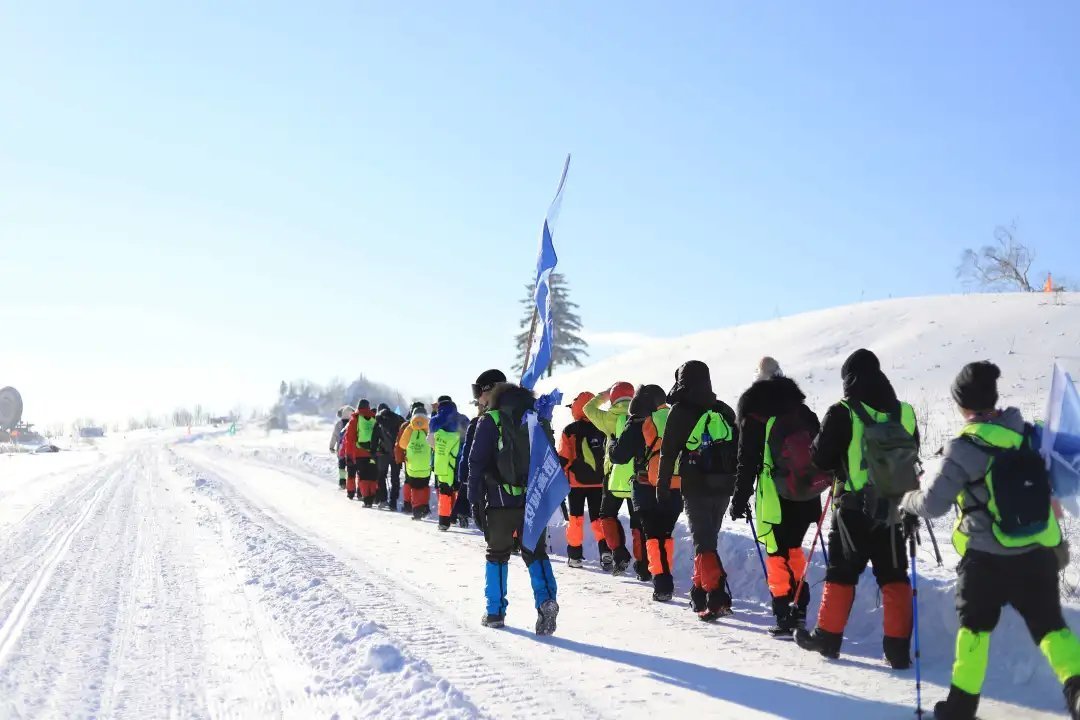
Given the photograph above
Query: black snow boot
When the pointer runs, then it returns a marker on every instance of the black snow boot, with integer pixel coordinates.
(607, 562)
(545, 617)
(492, 621)
(641, 569)
(697, 599)
(341, 484)
(463, 521)
(897, 652)
(958, 706)
(820, 641)
(784, 628)
(1072, 696)
(661, 596)
(350, 495)
(443, 528)
(406, 508)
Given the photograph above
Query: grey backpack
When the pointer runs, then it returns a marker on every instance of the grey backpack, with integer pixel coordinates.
(890, 454)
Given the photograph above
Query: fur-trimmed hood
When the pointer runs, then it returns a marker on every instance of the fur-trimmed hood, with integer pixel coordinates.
(770, 398)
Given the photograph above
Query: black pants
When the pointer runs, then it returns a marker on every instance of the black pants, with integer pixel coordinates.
(609, 509)
(501, 524)
(867, 541)
(795, 519)
(581, 496)
(1029, 582)
(387, 466)
(704, 515)
(658, 520)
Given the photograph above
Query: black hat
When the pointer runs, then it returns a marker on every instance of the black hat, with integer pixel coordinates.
(364, 405)
(383, 406)
(486, 381)
(647, 399)
(419, 404)
(444, 399)
(975, 388)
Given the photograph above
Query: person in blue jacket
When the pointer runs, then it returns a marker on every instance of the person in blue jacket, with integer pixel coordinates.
(499, 446)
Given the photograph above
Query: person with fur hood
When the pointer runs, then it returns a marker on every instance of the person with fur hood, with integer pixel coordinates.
(498, 477)
(699, 446)
(776, 432)
(447, 431)
(866, 527)
(360, 482)
(337, 443)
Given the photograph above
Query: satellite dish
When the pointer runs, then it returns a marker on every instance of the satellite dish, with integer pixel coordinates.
(11, 408)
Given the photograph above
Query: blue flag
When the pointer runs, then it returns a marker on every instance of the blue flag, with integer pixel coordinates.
(1060, 441)
(548, 485)
(540, 352)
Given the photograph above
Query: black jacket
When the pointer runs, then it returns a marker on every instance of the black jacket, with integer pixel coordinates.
(863, 382)
(387, 424)
(763, 400)
(680, 423)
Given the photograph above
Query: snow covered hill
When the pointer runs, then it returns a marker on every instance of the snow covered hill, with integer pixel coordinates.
(922, 343)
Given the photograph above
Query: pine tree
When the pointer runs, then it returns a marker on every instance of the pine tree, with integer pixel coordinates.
(568, 347)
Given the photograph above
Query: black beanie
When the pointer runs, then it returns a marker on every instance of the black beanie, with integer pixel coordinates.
(364, 405)
(444, 399)
(383, 406)
(975, 388)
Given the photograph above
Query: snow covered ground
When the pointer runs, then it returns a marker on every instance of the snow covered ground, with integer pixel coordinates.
(168, 575)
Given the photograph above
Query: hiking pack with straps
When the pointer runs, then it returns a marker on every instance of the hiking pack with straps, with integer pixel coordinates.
(588, 474)
(890, 454)
(1019, 488)
(714, 455)
(512, 457)
(790, 440)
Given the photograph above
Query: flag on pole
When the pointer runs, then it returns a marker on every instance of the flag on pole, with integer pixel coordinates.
(548, 485)
(1060, 441)
(540, 353)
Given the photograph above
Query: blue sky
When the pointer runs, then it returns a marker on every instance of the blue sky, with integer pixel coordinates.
(199, 199)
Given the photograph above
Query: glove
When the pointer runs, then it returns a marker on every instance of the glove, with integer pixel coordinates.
(910, 523)
(740, 510)
(1061, 552)
(663, 495)
(480, 517)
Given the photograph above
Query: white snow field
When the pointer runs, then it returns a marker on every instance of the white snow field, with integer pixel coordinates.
(175, 576)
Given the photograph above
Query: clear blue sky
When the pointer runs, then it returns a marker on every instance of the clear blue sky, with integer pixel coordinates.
(213, 196)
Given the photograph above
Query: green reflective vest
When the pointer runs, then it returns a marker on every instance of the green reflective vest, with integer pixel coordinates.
(446, 450)
(418, 455)
(365, 427)
(508, 489)
(621, 477)
(767, 513)
(1003, 438)
(857, 475)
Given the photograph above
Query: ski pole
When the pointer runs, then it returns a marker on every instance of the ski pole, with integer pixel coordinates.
(757, 544)
(933, 541)
(565, 512)
(813, 546)
(915, 624)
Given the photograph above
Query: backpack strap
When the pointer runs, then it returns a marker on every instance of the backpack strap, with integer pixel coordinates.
(856, 407)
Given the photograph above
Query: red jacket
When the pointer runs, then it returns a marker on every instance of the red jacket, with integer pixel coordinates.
(352, 450)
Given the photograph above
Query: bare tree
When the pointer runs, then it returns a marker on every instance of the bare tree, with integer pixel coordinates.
(1004, 265)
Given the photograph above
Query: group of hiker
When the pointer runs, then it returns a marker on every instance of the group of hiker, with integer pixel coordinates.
(769, 463)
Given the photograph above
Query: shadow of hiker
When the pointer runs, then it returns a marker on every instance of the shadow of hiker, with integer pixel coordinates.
(779, 697)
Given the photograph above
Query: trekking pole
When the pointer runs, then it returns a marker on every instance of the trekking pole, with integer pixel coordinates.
(813, 546)
(757, 544)
(565, 512)
(915, 623)
(933, 541)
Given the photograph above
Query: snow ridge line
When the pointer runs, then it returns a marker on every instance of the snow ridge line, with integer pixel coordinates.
(293, 574)
(54, 552)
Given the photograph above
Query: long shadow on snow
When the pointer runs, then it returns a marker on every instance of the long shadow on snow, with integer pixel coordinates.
(766, 695)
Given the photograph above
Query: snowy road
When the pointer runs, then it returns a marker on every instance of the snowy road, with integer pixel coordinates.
(192, 579)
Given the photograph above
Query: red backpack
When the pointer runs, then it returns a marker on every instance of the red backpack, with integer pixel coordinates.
(788, 453)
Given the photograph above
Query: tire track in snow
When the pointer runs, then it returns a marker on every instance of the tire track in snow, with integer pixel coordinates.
(463, 658)
(56, 547)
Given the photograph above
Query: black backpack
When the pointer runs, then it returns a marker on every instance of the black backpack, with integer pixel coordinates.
(586, 474)
(1019, 482)
(513, 448)
(793, 471)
